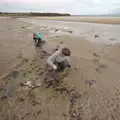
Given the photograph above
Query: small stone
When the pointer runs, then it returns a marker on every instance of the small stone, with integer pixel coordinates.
(112, 39)
(21, 99)
(74, 114)
(96, 55)
(70, 31)
(96, 36)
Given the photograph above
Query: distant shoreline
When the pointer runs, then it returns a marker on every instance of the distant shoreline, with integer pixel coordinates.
(99, 20)
(33, 14)
(53, 14)
(96, 15)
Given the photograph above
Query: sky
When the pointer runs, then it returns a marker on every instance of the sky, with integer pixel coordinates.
(74, 7)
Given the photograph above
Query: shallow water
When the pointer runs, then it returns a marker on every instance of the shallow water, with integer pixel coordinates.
(107, 33)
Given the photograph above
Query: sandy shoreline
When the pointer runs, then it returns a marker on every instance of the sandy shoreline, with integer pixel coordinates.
(91, 91)
(101, 20)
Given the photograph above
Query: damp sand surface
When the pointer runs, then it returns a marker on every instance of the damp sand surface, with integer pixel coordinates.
(88, 91)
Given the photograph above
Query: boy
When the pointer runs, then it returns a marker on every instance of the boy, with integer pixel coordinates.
(37, 37)
(59, 59)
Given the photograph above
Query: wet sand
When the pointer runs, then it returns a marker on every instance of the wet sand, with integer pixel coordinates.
(15, 43)
(92, 19)
(91, 89)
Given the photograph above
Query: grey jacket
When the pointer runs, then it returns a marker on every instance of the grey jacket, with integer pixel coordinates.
(57, 57)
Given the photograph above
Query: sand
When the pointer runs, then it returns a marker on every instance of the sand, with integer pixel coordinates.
(90, 19)
(89, 91)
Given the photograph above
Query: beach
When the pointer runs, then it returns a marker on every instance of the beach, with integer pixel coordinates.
(90, 19)
(91, 89)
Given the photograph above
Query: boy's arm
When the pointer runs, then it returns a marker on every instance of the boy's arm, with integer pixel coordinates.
(51, 60)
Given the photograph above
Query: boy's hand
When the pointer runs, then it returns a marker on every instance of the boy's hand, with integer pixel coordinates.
(55, 67)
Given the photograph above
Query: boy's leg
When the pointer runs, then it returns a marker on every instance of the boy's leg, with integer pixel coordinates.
(62, 71)
(35, 41)
(67, 64)
(61, 66)
(38, 42)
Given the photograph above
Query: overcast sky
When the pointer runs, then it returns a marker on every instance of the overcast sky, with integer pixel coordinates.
(64, 6)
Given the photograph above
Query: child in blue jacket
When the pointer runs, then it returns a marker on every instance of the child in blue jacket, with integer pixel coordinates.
(37, 37)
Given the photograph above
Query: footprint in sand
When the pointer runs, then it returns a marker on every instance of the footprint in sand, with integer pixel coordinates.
(95, 55)
(90, 83)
